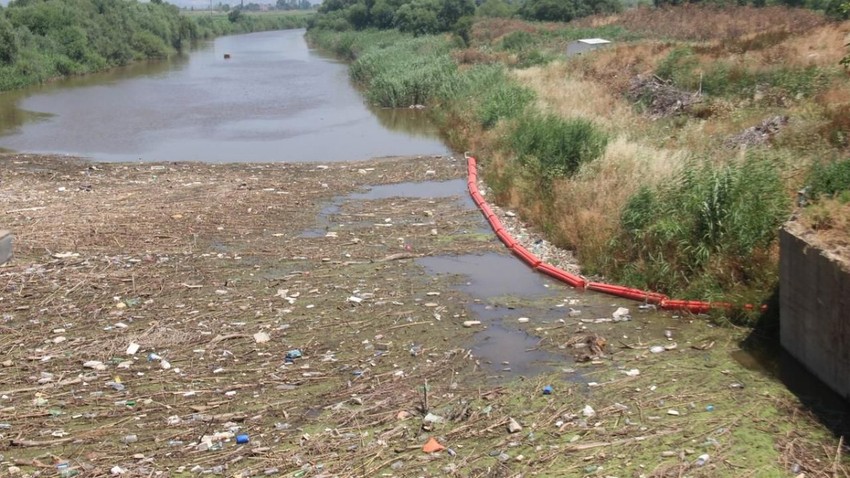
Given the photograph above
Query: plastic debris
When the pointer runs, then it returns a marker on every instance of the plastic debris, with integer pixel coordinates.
(547, 390)
(621, 315)
(433, 446)
(514, 426)
(588, 411)
(702, 460)
(132, 348)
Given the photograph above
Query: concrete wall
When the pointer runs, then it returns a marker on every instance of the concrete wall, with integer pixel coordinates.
(5, 246)
(814, 309)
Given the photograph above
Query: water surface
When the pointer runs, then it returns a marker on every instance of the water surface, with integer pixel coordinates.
(273, 100)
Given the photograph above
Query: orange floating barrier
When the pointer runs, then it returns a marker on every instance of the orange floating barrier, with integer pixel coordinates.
(627, 292)
(526, 255)
(694, 306)
(561, 275)
(506, 238)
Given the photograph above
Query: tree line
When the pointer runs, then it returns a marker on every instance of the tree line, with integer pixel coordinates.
(44, 39)
(432, 16)
(422, 17)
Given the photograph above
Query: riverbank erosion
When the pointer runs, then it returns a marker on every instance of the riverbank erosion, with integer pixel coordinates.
(168, 319)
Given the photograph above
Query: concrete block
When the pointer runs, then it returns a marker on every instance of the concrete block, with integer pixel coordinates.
(5, 246)
(814, 297)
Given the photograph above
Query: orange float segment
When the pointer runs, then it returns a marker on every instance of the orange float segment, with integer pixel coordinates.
(561, 275)
(526, 255)
(693, 306)
(621, 291)
(506, 238)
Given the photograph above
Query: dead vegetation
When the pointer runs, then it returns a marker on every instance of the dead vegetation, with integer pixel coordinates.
(146, 329)
(660, 97)
(694, 22)
(758, 135)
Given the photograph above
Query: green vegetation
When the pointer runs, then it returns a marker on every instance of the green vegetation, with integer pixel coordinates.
(830, 179)
(41, 40)
(399, 70)
(681, 205)
(552, 147)
(708, 228)
(566, 10)
(420, 17)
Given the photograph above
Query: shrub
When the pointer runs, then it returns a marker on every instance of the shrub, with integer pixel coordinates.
(554, 147)
(503, 101)
(829, 179)
(700, 226)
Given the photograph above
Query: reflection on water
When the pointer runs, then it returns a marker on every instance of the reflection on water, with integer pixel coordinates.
(411, 121)
(273, 100)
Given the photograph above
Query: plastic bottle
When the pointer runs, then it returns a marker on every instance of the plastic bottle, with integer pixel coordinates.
(702, 459)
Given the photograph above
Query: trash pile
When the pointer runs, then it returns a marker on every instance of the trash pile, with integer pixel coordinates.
(661, 97)
(169, 320)
(758, 135)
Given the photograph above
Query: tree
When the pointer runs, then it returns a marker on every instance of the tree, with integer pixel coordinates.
(496, 9)
(418, 17)
(452, 10)
(566, 10)
(358, 16)
(846, 60)
(8, 41)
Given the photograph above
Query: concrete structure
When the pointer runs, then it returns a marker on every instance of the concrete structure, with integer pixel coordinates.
(5, 246)
(814, 308)
(585, 45)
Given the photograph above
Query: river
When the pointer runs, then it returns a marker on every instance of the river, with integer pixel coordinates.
(273, 100)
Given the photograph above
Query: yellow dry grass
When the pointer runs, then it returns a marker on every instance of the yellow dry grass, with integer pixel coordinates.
(589, 204)
(821, 46)
(563, 94)
(703, 23)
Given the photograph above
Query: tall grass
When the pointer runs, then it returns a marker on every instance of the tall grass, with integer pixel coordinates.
(412, 71)
(711, 228)
(829, 179)
(552, 147)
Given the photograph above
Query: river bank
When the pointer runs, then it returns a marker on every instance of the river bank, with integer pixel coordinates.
(150, 309)
(592, 150)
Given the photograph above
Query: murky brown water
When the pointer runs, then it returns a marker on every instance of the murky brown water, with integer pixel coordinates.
(274, 100)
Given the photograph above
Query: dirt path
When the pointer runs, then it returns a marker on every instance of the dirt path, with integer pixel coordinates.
(205, 270)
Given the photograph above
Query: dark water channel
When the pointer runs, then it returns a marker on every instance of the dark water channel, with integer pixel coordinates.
(274, 100)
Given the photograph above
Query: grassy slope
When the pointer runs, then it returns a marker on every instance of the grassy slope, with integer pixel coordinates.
(667, 205)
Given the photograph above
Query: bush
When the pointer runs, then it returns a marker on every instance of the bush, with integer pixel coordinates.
(710, 225)
(566, 10)
(412, 71)
(830, 179)
(504, 100)
(553, 147)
